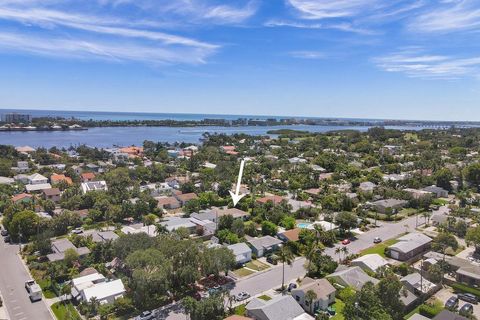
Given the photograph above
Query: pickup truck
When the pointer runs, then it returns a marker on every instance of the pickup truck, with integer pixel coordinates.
(34, 290)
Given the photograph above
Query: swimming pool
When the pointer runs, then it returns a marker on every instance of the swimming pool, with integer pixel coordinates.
(303, 225)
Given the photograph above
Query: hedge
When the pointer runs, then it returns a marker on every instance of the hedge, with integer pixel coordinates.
(464, 288)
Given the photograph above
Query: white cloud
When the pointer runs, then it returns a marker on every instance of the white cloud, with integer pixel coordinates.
(449, 16)
(322, 9)
(415, 63)
(111, 51)
(346, 27)
(307, 54)
(79, 34)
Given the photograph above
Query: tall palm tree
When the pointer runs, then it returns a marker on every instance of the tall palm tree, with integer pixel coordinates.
(285, 255)
(345, 252)
(310, 296)
(338, 251)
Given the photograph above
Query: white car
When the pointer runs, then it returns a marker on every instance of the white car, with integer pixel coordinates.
(242, 296)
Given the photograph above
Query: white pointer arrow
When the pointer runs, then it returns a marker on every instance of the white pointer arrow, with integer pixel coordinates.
(236, 196)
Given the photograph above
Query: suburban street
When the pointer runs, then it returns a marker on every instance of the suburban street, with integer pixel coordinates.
(12, 287)
(272, 278)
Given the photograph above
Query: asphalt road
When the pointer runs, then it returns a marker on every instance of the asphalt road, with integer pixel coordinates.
(12, 286)
(273, 278)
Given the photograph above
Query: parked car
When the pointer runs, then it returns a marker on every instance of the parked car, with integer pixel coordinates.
(242, 296)
(145, 315)
(77, 231)
(377, 240)
(468, 297)
(346, 241)
(292, 286)
(272, 259)
(4, 232)
(452, 303)
(466, 309)
(6, 239)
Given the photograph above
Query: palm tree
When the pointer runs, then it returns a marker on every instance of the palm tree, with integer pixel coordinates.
(312, 249)
(310, 296)
(338, 251)
(285, 255)
(345, 252)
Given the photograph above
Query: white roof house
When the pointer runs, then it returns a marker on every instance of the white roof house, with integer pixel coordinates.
(94, 186)
(37, 187)
(370, 262)
(105, 292)
(96, 286)
(37, 178)
(279, 308)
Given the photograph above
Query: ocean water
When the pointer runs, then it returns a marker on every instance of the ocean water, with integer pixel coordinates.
(126, 136)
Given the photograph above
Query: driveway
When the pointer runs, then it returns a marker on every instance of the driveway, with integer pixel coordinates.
(12, 286)
(446, 293)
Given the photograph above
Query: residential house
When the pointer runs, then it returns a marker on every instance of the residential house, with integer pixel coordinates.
(241, 251)
(101, 236)
(237, 317)
(367, 186)
(52, 194)
(59, 247)
(275, 199)
(464, 270)
(94, 186)
(37, 187)
(22, 167)
(37, 178)
(370, 262)
(437, 191)
(173, 223)
(22, 198)
(25, 149)
(388, 205)
(409, 246)
(57, 178)
(263, 245)
(185, 197)
(97, 286)
(353, 277)
(324, 291)
(7, 180)
(278, 308)
(448, 315)
(87, 176)
(290, 235)
(417, 284)
(167, 202)
(418, 194)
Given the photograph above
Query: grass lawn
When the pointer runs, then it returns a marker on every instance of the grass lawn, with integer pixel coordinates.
(265, 297)
(63, 311)
(240, 310)
(257, 265)
(47, 291)
(379, 248)
(242, 272)
(339, 305)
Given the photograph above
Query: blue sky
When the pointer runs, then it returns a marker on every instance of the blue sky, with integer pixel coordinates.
(407, 59)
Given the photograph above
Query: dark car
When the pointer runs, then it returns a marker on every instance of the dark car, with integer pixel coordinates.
(452, 303)
(468, 297)
(292, 286)
(4, 232)
(272, 259)
(6, 239)
(145, 315)
(466, 309)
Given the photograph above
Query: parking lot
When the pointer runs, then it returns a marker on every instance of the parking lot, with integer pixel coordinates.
(446, 293)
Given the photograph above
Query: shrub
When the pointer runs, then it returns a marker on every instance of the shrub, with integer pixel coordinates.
(430, 310)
